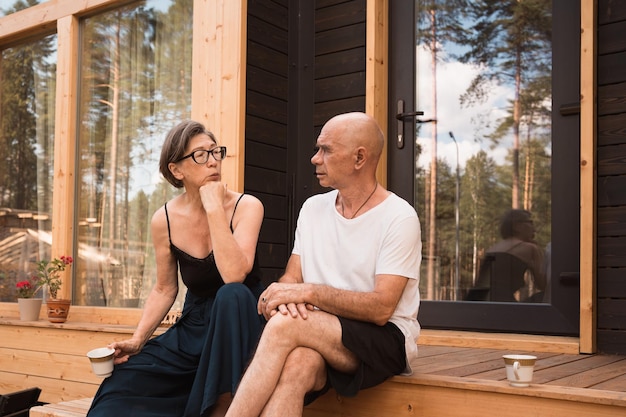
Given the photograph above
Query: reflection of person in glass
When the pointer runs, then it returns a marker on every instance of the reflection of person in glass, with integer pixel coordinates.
(513, 267)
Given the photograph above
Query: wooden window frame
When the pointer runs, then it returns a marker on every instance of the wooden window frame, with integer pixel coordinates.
(218, 100)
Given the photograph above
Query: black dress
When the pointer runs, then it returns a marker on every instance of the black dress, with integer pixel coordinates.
(183, 371)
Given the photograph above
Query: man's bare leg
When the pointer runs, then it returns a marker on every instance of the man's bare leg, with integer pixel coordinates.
(282, 334)
(304, 371)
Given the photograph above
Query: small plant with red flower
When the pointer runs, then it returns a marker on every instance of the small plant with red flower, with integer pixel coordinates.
(27, 288)
(48, 273)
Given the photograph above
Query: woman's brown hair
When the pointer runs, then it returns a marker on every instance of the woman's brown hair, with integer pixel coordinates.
(175, 144)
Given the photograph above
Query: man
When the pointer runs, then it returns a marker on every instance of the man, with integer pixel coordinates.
(344, 314)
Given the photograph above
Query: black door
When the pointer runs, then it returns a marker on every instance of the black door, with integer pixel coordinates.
(484, 141)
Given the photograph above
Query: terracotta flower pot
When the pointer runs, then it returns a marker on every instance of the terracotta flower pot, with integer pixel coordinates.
(58, 309)
(29, 308)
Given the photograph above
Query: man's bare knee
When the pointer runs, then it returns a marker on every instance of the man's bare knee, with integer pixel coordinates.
(305, 366)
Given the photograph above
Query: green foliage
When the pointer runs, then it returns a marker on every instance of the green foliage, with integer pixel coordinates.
(25, 102)
(47, 273)
(136, 85)
(485, 196)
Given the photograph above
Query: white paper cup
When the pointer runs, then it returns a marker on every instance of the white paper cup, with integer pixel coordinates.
(519, 369)
(101, 361)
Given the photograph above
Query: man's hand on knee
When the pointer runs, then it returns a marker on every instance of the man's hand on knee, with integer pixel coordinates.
(294, 310)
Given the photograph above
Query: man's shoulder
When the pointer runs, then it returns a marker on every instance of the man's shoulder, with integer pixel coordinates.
(321, 198)
(400, 205)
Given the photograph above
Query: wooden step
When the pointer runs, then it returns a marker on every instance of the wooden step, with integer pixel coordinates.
(468, 382)
(432, 395)
(75, 408)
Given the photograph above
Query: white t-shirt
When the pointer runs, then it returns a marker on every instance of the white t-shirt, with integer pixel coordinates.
(349, 253)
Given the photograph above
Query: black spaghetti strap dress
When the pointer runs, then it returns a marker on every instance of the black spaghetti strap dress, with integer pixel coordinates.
(183, 371)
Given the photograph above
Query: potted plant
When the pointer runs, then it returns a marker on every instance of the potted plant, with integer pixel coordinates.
(48, 274)
(29, 306)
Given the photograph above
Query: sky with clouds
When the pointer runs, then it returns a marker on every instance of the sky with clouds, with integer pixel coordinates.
(468, 124)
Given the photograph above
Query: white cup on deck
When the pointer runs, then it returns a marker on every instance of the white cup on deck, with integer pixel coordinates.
(519, 369)
(101, 361)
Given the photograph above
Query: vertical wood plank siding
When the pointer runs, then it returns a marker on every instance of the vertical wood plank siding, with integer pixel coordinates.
(272, 169)
(266, 127)
(611, 163)
(339, 58)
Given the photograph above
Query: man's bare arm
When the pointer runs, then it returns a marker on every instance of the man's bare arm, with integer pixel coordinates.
(376, 306)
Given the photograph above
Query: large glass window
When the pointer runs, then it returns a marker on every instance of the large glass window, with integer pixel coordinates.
(27, 97)
(483, 169)
(135, 86)
(498, 133)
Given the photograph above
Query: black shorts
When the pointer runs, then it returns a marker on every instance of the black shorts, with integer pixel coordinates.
(380, 350)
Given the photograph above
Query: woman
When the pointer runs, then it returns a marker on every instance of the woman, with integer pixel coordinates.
(512, 268)
(210, 233)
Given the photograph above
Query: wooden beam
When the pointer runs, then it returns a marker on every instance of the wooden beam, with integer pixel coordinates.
(588, 174)
(219, 78)
(64, 182)
(377, 70)
(506, 341)
(42, 18)
(434, 395)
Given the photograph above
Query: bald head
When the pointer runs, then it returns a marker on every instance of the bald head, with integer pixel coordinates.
(358, 129)
(348, 150)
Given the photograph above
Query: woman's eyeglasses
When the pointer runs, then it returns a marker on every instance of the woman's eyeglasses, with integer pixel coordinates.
(201, 156)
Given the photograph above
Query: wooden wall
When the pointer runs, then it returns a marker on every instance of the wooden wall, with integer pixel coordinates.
(611, 180)
(339, 58)
(52, 356)
(332, 71)
(49, 359)
(266, 127)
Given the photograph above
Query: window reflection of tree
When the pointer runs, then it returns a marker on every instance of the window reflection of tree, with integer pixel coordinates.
(511, 42)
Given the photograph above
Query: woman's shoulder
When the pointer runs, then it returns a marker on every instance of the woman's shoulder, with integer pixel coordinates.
(505, 245)
(248, 201)
(163, 213)
(520, 248)
(246, 206)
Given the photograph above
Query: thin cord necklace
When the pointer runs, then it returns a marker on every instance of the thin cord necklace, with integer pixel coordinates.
(357, 210)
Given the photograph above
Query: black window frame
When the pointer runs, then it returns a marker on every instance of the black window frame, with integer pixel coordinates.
(562, 315)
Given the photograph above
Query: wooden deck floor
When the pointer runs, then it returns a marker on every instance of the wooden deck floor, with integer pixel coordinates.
(471, 382)
(598, 372)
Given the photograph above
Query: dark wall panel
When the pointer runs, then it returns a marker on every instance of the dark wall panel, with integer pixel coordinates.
(612, 160)
(342, 38)
(613, 222)
(611, 181)
(611, 283)
(266, 127)
(612, 99)
(267, 131)
(305, 64)
(612, 341)
(326, 110)
(611, 11)
(339, 58)
(341, 62)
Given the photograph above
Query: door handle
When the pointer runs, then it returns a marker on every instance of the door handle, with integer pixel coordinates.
(569, 109)
(401, 116)
(569, 278)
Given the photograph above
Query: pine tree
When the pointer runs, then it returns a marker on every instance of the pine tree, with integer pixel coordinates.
(511, 39)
